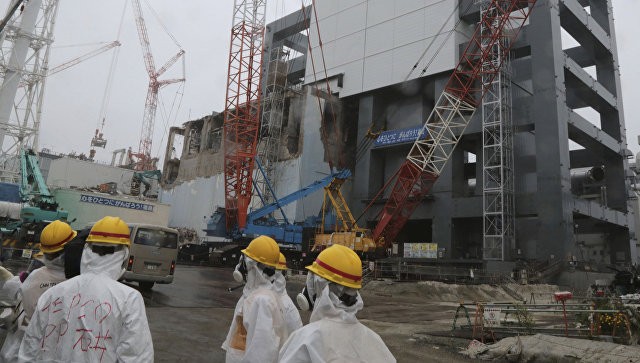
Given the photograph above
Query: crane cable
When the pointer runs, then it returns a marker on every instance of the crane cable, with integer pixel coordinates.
(106, 98)
(167, 116)
(155, 14)
(370, 137)
(323, 132)
(366, 143)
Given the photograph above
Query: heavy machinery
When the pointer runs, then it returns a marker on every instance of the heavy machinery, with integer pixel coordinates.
(39, 206)
(294, 238)
(242, 109)
(345, 231)
(481, 60)
(145, 178)
(261, 221)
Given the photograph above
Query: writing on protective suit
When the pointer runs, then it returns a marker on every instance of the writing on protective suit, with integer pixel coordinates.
(84, 324)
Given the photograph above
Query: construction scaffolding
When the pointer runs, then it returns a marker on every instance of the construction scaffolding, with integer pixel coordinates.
(497, 145)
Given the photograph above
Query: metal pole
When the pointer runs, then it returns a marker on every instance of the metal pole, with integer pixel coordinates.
(10, 14)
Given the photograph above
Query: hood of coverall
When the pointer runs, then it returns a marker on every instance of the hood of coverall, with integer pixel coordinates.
(328, 305)
(112, 265)
(55, 264)
(280, 283)
(256, 278)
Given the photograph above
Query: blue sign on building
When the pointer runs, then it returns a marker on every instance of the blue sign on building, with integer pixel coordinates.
(116, 203)
(401, 136)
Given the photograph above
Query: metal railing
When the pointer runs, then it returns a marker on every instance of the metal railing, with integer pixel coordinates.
(407, 271)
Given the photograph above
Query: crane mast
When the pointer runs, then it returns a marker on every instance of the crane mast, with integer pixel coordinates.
(25, 44)
(499, 25)
(143, 156)
(242, 107)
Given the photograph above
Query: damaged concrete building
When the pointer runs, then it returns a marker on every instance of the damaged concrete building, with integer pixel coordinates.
(386, 63)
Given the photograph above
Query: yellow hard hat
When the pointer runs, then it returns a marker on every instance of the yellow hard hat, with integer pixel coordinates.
(264, 250)
(339, 264)
(54, 236)
(282, 262)
(112, 230)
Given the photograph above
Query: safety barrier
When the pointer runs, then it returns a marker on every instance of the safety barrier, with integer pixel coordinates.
(577, 320)
(403, 270)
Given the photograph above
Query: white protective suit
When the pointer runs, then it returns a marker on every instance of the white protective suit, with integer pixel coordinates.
(258, 329)
(90, 318)
(38, 281)
(334, 334)
(291, 315)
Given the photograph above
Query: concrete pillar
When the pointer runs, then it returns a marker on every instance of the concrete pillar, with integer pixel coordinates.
(550, 115)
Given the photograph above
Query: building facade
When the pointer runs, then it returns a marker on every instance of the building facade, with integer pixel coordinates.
(371, 78)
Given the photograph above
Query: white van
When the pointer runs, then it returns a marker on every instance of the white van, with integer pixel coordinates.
(153, 255)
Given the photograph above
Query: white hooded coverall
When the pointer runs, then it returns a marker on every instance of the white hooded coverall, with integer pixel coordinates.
(38, 281)
(291, 315)
(257, 330)
(334, 334)
(90, 318)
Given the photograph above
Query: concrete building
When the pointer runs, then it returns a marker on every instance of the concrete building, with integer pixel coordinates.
(386, 63)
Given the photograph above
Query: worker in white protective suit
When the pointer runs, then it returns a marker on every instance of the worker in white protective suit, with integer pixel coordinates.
(52, 240)
(334, 334)
(92, 317)
(258, 329)
(291, 315)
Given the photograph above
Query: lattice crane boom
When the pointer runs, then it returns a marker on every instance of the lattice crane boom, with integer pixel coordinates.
(242, 107)
(143, 36)
(91, 54)
(145, 161)
(451, 115)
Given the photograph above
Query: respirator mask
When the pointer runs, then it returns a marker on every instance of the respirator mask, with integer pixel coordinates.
(245, 265)
(240, 273)
(347, 295)
(313, 287)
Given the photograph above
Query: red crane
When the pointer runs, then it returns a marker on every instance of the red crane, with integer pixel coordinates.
(242, 107)
(144, 160)
(444, 127)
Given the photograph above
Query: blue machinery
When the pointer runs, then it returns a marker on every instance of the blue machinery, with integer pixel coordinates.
(260, 221)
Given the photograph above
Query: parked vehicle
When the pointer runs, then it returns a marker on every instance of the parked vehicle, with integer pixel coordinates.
(153, 255)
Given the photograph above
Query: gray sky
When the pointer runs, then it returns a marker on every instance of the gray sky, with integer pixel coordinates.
(202, 27)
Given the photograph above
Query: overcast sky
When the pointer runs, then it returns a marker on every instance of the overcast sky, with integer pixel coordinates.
(202, 27)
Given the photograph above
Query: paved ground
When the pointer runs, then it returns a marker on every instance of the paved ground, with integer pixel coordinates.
(189, 319)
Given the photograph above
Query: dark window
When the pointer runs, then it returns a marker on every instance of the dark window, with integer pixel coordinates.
(156, 238)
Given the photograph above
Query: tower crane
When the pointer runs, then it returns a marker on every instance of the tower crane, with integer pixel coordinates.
(482, 59)
(242, 108)
(144, 160)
